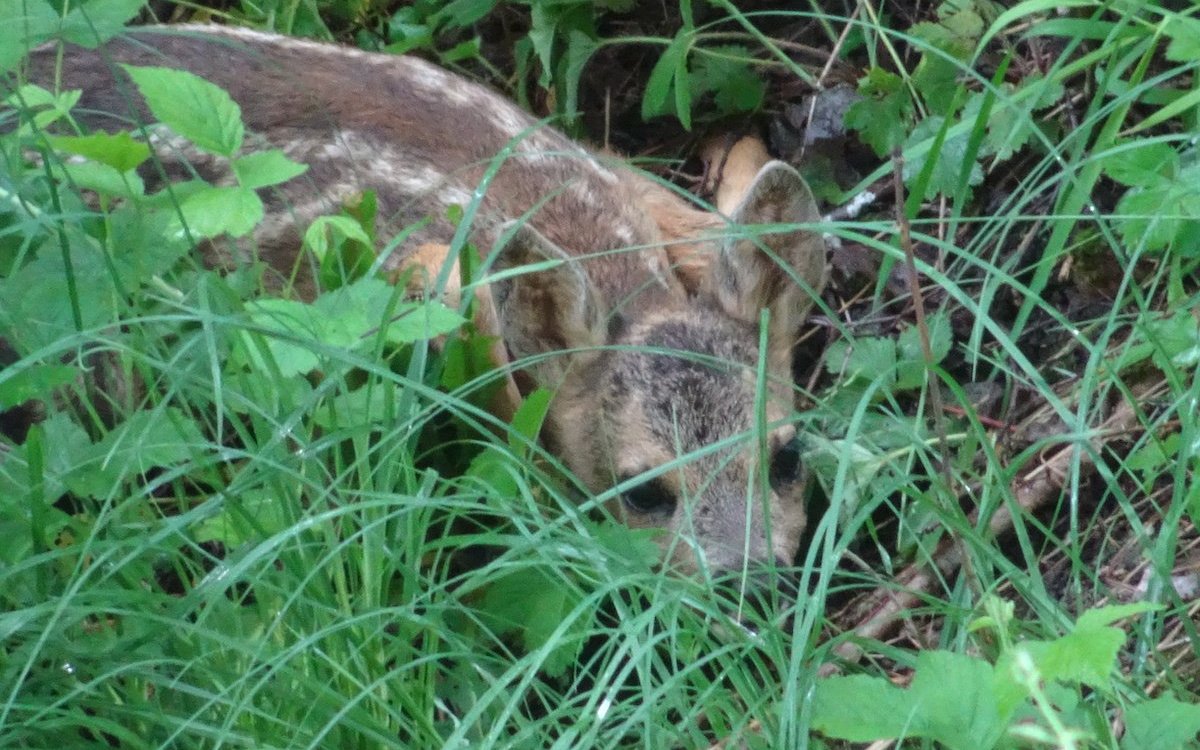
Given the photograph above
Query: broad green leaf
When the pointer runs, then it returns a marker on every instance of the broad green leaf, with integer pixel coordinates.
(117, 150)
(265, 168)
(219, 210)
(192, 107)
(416, 321)
(955, 700)
(147, 440)
(248, 516)
(534, 603)
(96, 21)
(104, 180)
(1184, 33)
(860, 708)
(1161, 724)
(24, 24)
(34, 382)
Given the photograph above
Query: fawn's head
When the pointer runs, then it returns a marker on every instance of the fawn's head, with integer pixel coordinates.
(666, 399)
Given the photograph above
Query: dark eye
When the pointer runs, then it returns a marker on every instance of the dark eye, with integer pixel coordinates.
(785, 464)
(651, 497)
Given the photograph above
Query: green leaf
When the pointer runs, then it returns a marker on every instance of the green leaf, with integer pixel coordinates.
(911, 358)
(339, 228)
(96, 21)
(944, 178)
(346, 318)
(1184, 33)
(192, 107)
(1163, 215)
(48, 107)
(117, 150)
(527, 422)
(866, 358)
(580, 48)
(147, 440)
(24, 24)
(212, 211)
(859, 708)
(534, 602)
(725, 73)
(104, 180)
(936, 78)
(248, 516)
(956, 701)
(661, 83)
(885, 112)
(265, 168)
(34, 382)
(1161, 724)
(1141, 163)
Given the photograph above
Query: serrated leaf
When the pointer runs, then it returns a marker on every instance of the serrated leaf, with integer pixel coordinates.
(1160, 215)
(1161, 724)
(265, 168)
(214, 211)
(117, 150)
(866, 358)
(859, 708)
(947, 168)
(884, 113)
(96, 21)
(724, 72)
(198, 110)
(1141, 163)
(936, 78)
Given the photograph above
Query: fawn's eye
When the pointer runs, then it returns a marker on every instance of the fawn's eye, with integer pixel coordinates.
(785, 464)
(650, 497)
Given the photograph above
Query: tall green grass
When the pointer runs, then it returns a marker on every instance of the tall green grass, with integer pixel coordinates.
(226, 552)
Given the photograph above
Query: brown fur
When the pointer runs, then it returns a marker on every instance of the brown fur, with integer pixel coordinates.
(643, 319)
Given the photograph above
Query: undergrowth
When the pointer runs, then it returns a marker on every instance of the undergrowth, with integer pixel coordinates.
(233, 518)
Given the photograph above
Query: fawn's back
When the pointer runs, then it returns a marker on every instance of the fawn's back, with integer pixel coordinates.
(649, 364)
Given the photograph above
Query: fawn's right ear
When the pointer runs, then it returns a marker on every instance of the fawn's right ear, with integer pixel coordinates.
(789, 278)
(546, 309)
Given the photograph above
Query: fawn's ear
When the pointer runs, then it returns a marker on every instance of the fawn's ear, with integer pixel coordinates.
(745, 279)
(551, 307)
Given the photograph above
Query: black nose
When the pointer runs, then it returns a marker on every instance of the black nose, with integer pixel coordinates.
(761, 596)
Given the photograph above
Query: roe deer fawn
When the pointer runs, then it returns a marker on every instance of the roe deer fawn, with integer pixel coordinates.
(653, 319)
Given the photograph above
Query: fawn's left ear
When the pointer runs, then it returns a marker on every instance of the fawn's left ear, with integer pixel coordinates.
(545, 311)
(745, 279)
